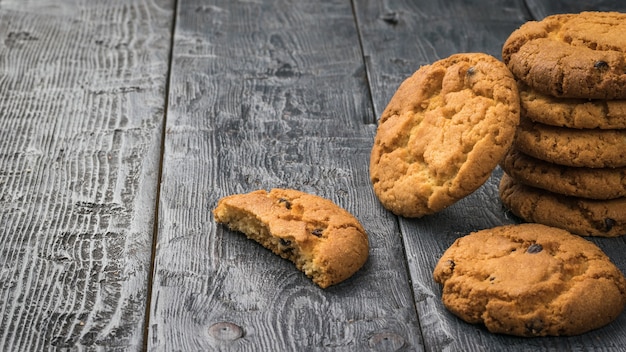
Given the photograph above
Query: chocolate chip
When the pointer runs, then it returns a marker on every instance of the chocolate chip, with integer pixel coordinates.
(451, 264)
(534, 327)
(287, 203)
(317, 232)
(601, 65)
(534, 248)
(471, 71)
(285, 246)
(609, 223)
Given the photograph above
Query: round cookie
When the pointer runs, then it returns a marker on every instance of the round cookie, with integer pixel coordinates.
(599, 183)
(572, 113)
(443, 132)
(582, 216)
(530, 280)
(572, 147)
(571, 55)
(323, 240)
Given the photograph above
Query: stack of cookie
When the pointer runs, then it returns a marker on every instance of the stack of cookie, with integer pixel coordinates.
(567, 165)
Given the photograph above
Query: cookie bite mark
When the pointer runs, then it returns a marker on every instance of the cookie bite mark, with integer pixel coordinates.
(323, 240)
(442, 133)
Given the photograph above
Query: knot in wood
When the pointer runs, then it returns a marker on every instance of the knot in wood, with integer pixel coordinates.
(386, 341)
(225, 331)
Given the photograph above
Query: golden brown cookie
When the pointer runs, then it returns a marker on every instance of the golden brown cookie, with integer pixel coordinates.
(571, 55)
(442, 133)
(582, 216)
(530, 280)
(323, 240)
(594, 183)
(572, 113)
(572, 147)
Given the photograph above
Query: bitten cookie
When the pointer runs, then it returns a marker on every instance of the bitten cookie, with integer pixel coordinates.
(581, 216)
(323, 240)
(600, 183)
(530, 280)
(571, 55)
(572, 147)
(442, 133)
(572, 113)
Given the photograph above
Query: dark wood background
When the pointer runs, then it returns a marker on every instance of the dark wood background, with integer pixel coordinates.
(123, 122)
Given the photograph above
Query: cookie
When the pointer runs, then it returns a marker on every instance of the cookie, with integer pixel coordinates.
(323, 240)
(581, 216)
(571, 55)
(442, 133)
(572, 113)
(598, 183)
(572, 147)
(530, 280)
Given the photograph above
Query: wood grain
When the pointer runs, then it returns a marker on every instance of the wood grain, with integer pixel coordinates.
(261, 94)
(82, 87)
(540, 9)
(270, 94)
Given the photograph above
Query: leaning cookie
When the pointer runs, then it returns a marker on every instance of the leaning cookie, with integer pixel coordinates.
(572, 113)
(323, 240)
(593, 148)
(581, 216)
(593, 183)
(442, 133)
(571, 55)
(530, 280)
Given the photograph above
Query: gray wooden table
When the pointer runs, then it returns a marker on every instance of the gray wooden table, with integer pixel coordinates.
(123, 122)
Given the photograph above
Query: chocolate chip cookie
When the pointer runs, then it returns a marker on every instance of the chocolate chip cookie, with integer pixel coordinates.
(530, 280)
(323, 240)
(581, 216)
(572, 147)
(571, 55)
(443, 132)
(572, 113)
(594, 183)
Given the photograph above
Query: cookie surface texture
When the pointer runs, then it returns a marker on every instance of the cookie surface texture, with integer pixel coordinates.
(581, 216)
(571, 55)
(572, 147)
(323, 240)
(594, 183)
(530, 280)
(442, 133)
(572, 113)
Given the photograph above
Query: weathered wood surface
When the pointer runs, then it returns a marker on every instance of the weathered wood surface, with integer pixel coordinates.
(261, 94)
(270, 94)
(82, 86)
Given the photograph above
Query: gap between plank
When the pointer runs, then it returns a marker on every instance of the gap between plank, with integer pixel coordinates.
(373, 119)
(155, 227)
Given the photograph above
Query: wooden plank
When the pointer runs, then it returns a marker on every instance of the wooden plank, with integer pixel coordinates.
(423, 33)
(540, 9)
(81, 117)
(270, 94)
